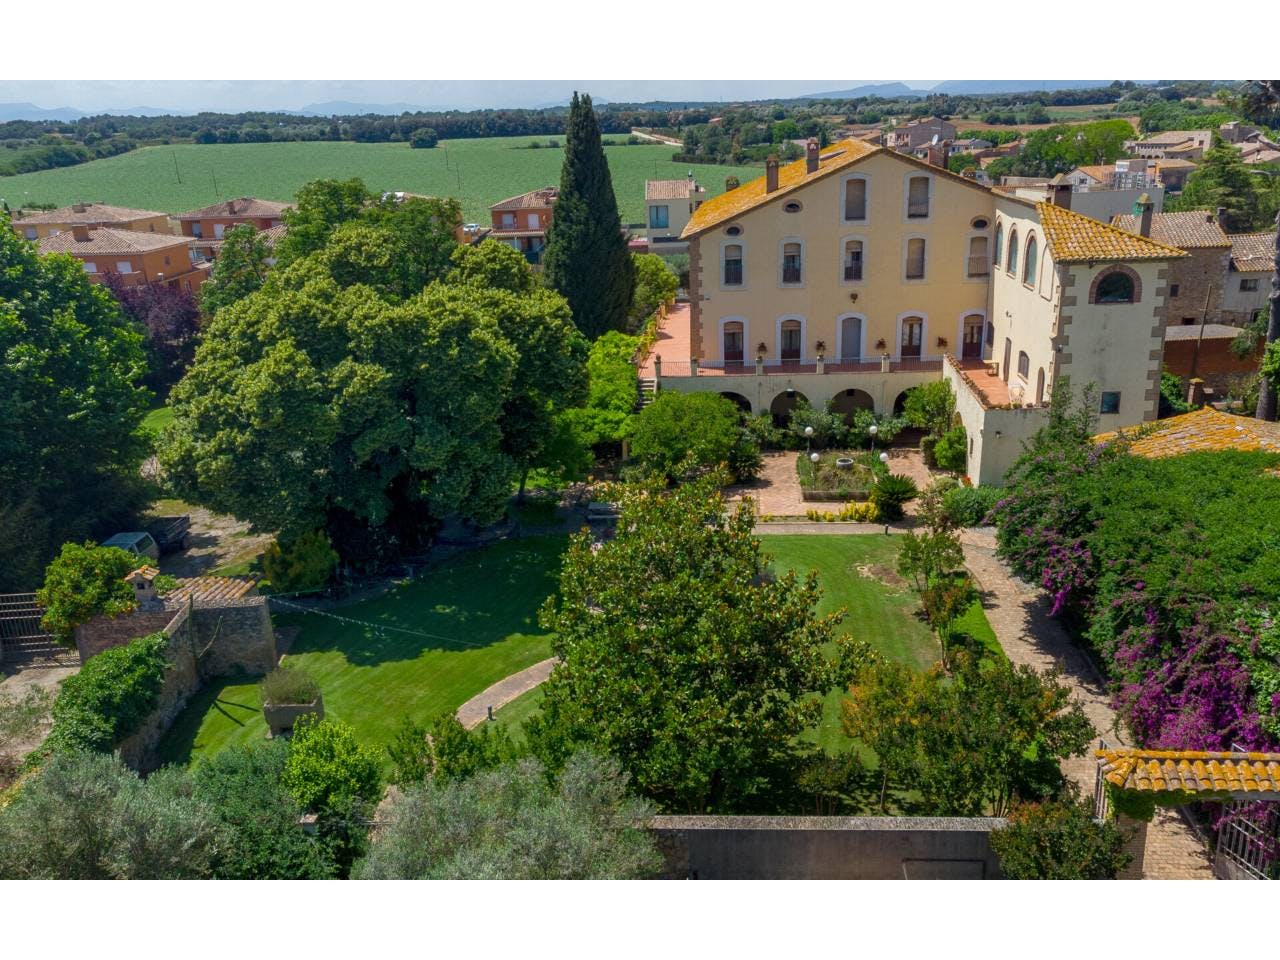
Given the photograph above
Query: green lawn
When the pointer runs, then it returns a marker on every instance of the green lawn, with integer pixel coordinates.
(156, 420)
(478, 172)
(479, 610)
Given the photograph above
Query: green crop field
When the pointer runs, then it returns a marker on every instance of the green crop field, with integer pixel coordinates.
(477, 172)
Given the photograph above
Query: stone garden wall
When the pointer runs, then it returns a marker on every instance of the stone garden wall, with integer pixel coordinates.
(827, 848)
(181, 680)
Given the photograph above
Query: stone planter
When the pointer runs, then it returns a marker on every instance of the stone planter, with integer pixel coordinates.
(281, 717)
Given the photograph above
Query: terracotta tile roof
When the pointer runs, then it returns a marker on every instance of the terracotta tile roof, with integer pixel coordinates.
(1174, 164)
(1175, 137)
(105, 241)
(792, 176)
(1191, 331)
(148, 572)
(1200, 430)
(1101, 172)
(1251, 252)
(1194, 771)
(1188, 230)
(87, 213)
(669, 189)
(250, 207)
(200, 589)
(1073, 237)
(543, 197)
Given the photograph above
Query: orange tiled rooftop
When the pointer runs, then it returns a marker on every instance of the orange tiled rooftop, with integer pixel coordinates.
(1195, 771)
(1200, 430)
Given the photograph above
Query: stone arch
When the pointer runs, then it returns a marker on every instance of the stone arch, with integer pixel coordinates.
(899, 402)
(782, 405)
(738, 399)
(1110, 271)
(848, 402)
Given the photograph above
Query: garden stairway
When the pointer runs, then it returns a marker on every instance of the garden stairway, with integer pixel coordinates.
(647, 387)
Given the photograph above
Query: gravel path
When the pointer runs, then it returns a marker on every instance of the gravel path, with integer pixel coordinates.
(476, 710)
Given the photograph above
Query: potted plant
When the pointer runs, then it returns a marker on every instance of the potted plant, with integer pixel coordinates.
(880, 344)
(761, 350)
(287, 695)
(820, 348)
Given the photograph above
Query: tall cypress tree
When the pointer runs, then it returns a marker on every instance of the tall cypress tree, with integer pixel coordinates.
(586, 259)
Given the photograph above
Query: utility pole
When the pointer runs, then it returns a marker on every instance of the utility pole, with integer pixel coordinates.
(1204, 318)
(175, 165)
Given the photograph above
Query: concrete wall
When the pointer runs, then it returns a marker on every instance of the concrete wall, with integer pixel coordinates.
(881, 298)
(1239, 306)
(827, 848)
(995, 435)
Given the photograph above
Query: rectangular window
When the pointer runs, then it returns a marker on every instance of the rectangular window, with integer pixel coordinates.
(733, 265)
(197, 229)
(124, 266)
(918, 197)
(508, 221)
(915, 259)
(1173, 289)
(90, 267)
(1248, 285)
(535, 223)
(32, 233)
(853, 259)
(1110, 401)
(855, 200)
(791, 263)
(218, 230)
(979, 265)
(659, 217)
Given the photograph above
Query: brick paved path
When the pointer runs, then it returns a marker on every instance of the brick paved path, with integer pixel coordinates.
(1019, 615)
(474, 711)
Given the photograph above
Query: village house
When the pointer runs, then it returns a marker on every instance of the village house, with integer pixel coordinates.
(854, 274)
(1248, 282)
(521, 222)
(907, 136)
(668, 206)
(1197, 281)
(1172, 144)
(140, 258)
(207, 225)
(39, 224)
(1172, 174)
(1100, 192)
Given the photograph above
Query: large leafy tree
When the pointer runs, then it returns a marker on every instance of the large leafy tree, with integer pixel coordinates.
(1223, 180)
(240, 269)
(320, 207)
(586, 258)
(71, 401)
(682, 657)
(1059, 840)
(321, 402)
(515, 823)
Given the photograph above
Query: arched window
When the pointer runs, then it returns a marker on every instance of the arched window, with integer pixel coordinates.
(912, 337)
(1012, 265)
(1029, 261)
(733, 265)
(1024, 364)
(791, 263)
(853, 256)
(791, 335)
(1115, 288)
(918, 197)
(999, 250)
(1040, 386)
(977, 266)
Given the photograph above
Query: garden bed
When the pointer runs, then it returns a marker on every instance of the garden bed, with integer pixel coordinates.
(839, 475)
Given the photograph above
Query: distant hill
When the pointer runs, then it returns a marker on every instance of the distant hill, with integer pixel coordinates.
(1014, 86)
(348, 108)
(867, 90)
(29, 111)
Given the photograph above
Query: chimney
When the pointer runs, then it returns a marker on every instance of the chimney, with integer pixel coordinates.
(771, 174)
(80, 232)
(811, 156)
(1222, 212)
(1142, 209)
(1195, 392)
(231, 207)
(78, 207)
(1060, 195)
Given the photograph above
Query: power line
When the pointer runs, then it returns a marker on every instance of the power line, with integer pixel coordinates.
(380, 627)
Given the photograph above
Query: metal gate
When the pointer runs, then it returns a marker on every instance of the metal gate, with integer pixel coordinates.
(1248, 841)
(22, 639)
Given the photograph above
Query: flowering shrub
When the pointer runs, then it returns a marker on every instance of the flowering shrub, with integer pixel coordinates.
(1161, 560)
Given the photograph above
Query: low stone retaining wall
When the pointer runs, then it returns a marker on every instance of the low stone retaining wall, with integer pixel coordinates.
(828, 848)
(181, 680)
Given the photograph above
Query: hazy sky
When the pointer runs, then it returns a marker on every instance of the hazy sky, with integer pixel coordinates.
(236, 95)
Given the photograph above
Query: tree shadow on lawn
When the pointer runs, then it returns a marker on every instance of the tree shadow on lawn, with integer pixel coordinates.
(179, 743)
(471, 601)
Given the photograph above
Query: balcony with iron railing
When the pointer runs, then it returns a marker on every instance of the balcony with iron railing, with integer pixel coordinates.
(979, 266)
(779, 366)
(853, 271)
(917, 208)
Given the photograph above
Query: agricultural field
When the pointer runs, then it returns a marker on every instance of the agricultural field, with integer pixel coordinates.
(478, 172)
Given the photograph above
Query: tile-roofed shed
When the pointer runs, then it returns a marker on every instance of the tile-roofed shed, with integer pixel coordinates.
(250, 207)
(543, 197)
(105, 241)
(1253, 776)
(669, 189)
(205, 589)
(1186, 230)
(1074, 238)
(1201, 430)
(792, 176)
(88, 213)
(1253, 252)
